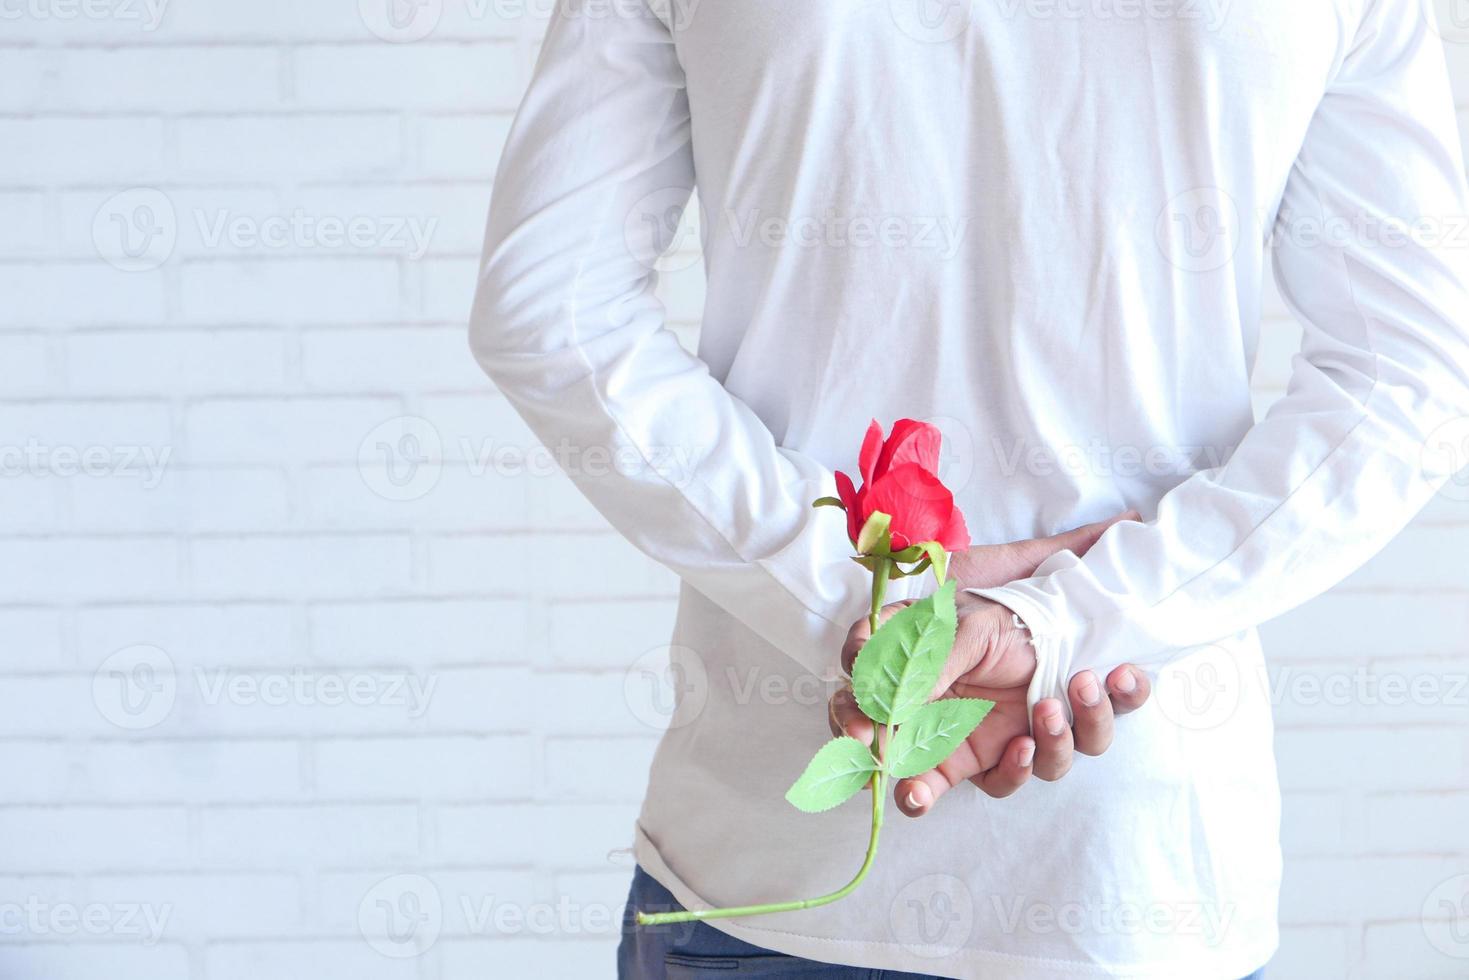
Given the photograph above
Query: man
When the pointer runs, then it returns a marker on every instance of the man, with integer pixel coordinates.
(1045, 227)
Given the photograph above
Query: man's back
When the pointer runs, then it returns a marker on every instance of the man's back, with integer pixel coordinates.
(1043, 226)
(976, 223)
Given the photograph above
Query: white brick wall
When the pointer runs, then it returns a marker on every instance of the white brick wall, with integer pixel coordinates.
(255, 683)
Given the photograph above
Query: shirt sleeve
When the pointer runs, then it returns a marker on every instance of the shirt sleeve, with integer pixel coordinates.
(1340, 464)
(597, 169)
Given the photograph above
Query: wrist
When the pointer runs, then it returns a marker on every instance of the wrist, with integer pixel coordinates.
(998, 640)
(1014, 638)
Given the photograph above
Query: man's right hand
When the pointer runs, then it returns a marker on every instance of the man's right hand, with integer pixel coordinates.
(997, 761)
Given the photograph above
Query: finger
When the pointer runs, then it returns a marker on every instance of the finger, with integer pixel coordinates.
(1129, 689)
(992, 565)
(1080, 540)
(1020, 559)
(857, 636)
(916, 795)
(845, 718)
(1012, 772)
(1054, 748)
(1091, 714)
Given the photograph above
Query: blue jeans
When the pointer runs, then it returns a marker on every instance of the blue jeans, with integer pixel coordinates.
(698, 951)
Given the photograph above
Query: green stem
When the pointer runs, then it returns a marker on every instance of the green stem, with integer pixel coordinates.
(879, 589)
(666, 918)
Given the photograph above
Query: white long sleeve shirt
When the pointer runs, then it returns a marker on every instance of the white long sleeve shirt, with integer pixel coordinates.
(1045, 227)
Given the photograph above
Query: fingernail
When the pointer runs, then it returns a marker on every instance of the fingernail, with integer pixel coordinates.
(1027, 753)
(1091, 695)
(1126, 682)
(1054, 723)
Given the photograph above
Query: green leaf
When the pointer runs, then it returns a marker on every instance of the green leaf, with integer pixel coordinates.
(874, 533)
(917, 569)
(932, 734)
(898, 667)
(828, 502)
(837, 772)
(939, 557)
(910, 553)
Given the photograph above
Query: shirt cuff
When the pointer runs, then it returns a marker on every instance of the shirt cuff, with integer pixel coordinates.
(1054, 645)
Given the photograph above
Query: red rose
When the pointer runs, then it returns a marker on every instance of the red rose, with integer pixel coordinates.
(900, 479)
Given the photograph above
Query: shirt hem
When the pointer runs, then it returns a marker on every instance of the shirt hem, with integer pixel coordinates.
(969, 964)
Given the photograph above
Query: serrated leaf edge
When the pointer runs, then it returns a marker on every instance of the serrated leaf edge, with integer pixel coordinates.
(895, 713)
(895, 762)
(835, 773)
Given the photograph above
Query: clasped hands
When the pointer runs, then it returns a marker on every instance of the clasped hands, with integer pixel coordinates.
(992, 658)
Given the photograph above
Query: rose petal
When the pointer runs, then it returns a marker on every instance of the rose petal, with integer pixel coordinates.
(847, 493)
(911, 442)
(867, 458)
(955, 535)
(920, 505)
